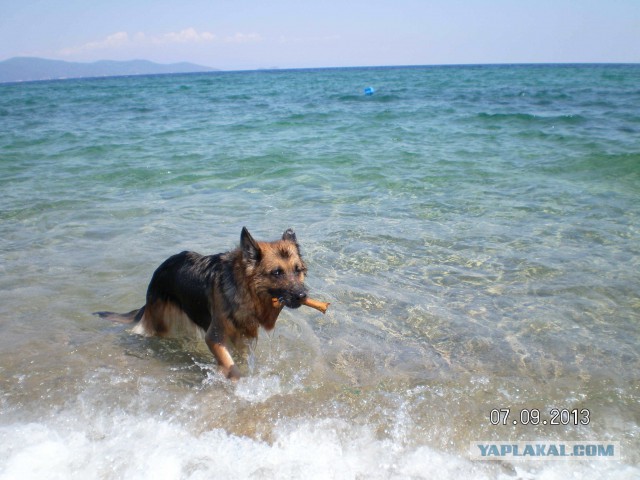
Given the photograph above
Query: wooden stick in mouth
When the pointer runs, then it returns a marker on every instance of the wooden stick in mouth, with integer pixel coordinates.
(309, 302)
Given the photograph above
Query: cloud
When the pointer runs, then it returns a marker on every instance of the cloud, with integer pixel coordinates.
(243, 38)
(188, 35)
(120, 40)
(114, 40)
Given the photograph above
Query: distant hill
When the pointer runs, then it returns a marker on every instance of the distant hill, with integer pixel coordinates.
(24, 69)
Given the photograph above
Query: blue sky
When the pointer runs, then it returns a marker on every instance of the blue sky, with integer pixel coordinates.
(251, 34)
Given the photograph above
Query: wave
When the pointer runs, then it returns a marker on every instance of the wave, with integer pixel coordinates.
(376, 98)
(531, 118)
(112, 445)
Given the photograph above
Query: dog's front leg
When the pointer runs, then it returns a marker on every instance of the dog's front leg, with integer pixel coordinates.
(220, 351)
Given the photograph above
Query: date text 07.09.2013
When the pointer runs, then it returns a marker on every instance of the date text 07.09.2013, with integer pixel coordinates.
(533, 416)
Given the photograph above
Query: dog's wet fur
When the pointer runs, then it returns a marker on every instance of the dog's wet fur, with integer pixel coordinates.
(226, 296)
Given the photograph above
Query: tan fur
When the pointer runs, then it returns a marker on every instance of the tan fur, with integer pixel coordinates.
(167, 320)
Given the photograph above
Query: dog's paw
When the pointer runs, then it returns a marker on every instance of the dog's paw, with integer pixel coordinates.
(232, 373)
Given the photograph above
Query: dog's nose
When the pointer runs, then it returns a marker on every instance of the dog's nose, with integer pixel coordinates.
(302, 295)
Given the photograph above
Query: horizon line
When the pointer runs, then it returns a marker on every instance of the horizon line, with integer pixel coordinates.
(215, 70)
(275, 67)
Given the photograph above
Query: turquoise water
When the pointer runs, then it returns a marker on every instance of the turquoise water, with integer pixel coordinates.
(476, 229)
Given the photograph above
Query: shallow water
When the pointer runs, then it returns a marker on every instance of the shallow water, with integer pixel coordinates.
(476, 230)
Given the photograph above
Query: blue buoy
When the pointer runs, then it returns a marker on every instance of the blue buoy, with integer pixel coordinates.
(369, 91)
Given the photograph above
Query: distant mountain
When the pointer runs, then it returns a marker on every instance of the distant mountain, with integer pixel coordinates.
(24, 69)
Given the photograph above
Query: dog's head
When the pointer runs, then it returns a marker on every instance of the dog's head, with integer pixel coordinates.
(277, 267)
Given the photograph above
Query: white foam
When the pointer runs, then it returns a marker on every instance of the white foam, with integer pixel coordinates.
(258, 389)
(124, 445)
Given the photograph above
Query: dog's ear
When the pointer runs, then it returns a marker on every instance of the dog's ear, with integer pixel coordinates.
(250, 248)
(289, 235)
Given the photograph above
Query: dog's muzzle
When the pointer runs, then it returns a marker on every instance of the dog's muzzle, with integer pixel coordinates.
(291, 298)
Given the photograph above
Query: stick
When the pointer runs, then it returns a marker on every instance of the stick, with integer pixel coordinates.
(309, 302)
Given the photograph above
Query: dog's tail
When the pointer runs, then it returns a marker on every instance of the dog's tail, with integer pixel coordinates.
(131, 317)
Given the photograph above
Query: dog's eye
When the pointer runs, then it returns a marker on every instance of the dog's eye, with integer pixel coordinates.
(299, 269)
(277, 272)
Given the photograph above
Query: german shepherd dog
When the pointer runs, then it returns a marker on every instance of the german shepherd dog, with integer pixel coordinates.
(227, 296)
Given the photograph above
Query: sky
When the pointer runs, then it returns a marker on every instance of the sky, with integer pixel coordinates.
(254, 34)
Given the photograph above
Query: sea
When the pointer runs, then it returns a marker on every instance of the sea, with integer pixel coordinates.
(476, 230)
